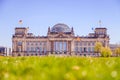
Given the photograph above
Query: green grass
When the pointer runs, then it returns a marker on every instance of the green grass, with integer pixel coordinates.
(59, 68)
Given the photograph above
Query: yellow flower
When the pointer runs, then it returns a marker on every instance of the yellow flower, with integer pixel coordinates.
(75, 67)
(114, 74)
(84, 73)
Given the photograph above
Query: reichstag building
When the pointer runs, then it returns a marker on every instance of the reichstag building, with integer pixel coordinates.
(60, 40)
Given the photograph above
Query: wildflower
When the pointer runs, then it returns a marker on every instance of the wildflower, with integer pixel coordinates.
(16, 61)
(110, 63)
(5, 62)
(75, 67)
(6, 75)
(84, 73)
(114, 74)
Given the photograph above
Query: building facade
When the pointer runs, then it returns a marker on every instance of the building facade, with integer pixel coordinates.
(60, 39)
(3, 51)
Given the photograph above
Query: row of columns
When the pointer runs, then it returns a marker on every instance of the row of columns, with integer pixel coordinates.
(55, 45)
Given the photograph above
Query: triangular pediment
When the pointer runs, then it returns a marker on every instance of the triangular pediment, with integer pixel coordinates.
(61, 35)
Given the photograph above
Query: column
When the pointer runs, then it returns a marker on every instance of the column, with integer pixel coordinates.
(58, 46)
(69, 47)
(52, 46)
(62, 47)
(55, 46)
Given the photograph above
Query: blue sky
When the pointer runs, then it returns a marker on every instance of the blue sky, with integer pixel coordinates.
(38, 15)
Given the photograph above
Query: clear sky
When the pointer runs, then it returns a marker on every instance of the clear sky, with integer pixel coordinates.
(38, 15)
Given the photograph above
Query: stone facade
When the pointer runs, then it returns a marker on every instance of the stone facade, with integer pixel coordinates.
(60, 39)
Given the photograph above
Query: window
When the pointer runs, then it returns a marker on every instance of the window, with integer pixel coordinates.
(64, 46)
(88, 43)
(27, 48)
(60, 46)
(44, 43)
(92, 43)
(80, 43)
(40, 43)
(40, 50)
(85, 43)
(37, 49)
(92, 49)
(76, 43)
(89, 49)
(18, 49)
(31, 43)
(45, 50)
(32, 49)
(80, 49)
(27, 43)
(36, 43)
(19, 43)
(76, 49)
(85, 49)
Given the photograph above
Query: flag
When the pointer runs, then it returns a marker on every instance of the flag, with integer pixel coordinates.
(92, 28)
(78, 38)
(99, 21)
(20, 21)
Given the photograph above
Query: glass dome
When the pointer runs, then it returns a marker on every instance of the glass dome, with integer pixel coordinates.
(60, 27)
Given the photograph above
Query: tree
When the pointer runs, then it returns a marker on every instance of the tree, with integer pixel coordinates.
(106, 52)
(117, 51)
(98, 46)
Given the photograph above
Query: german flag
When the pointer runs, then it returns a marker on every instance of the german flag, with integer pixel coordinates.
(78, 38)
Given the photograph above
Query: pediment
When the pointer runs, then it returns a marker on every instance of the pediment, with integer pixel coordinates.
(62, 35)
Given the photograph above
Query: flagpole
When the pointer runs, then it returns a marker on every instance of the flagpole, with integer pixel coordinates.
(99, 23)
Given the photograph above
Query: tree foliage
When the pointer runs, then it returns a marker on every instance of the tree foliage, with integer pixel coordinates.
(98, 46)
(117, 51)
(106, 52)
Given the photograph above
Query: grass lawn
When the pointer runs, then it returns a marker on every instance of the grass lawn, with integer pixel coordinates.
(59, 68)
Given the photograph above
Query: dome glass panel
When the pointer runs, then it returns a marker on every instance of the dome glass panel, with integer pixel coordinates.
(60, 28)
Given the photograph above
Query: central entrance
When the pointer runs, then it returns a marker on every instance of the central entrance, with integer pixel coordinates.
(60, 46)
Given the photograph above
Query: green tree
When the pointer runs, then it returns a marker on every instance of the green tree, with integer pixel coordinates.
(117, 51)
(106, 52)
(98, 46)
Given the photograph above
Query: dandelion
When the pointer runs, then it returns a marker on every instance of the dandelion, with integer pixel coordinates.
(5, 62)
(16, 61)
(6, 75)
(67, 76)
(84, 73)
(114, 74)
(110, 63)
(91, 60)
(75, 67)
